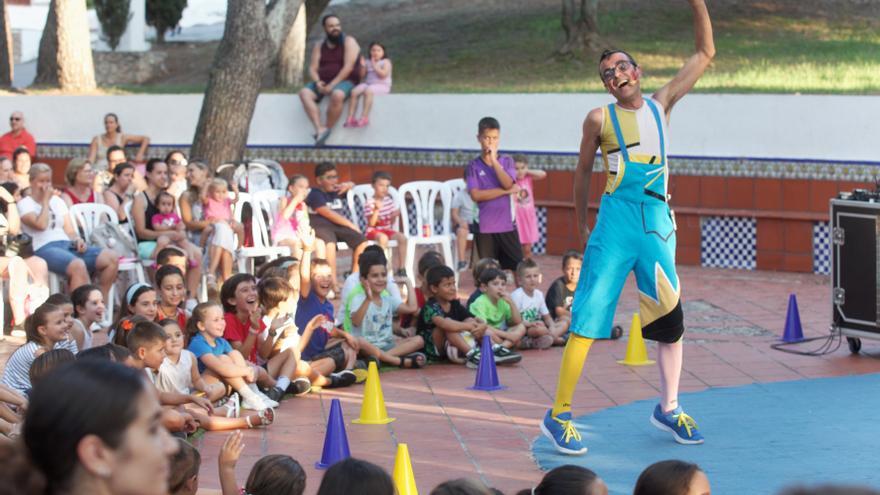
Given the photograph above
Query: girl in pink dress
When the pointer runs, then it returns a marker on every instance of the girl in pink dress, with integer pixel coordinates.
(292, 222)
(217, 208)
(377, 81)
(526, 218)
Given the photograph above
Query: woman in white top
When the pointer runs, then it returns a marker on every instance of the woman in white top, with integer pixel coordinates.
(45, 218)
(113, 136)
(28, 277)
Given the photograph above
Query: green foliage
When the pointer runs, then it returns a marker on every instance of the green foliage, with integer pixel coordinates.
(164, 15)
(113, 16)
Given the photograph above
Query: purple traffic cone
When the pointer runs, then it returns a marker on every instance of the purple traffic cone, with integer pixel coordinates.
(487, 375)
(335, 440)
(793, 330)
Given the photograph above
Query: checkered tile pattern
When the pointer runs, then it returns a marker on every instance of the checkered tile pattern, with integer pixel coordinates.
(821, 248)
(728, 242)
(540, 247)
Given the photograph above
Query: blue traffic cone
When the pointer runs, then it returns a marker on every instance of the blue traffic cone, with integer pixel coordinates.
(335, 440)
(487, 375)
(793, 330)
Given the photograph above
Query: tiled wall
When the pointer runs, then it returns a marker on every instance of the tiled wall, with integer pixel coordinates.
(783, 202)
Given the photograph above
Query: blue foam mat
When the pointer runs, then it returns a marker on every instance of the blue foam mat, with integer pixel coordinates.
(759, 438)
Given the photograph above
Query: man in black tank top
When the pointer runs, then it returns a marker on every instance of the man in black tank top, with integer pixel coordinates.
(335, 70)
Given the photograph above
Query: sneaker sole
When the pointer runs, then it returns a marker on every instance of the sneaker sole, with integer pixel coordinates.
(560, 449)
(508, 359)
(360, 375)
(678, 439)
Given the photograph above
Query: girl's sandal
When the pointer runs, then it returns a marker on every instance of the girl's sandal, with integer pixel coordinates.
(415, 360)
(233, 406)
(266, 417)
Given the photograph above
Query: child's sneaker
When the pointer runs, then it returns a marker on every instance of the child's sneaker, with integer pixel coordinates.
(473, 358)
(254, 405)
(503, 355)
(562, 432)
(683, 427)
(344, 378)
(299, 387)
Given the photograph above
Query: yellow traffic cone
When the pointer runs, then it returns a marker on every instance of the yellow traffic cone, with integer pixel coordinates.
(636, 352)
(373, 408)
(403, 473)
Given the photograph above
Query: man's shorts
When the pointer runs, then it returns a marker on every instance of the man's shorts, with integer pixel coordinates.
(630, 237)
(345, 86)
(337, 233)
(58, 255)
(503, 246)
(336, 353)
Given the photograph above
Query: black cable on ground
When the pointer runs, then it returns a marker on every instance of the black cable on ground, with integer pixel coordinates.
(830, 344)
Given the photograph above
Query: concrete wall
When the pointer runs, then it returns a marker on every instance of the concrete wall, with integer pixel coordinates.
(843, 128)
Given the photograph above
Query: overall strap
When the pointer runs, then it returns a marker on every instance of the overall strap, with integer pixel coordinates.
(659, 122)
(612, 111)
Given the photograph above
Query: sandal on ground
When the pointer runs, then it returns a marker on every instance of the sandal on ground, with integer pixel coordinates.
(415, 360)
(266, 417)
(351, 122)
(233, 405)
(363, 122)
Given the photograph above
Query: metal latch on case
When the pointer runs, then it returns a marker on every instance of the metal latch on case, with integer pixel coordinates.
(837, 236)
(838, 296)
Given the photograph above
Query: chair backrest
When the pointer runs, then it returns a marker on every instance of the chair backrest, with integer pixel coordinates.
(455, 185)
(358, 196)
(87, 216)
(271, 198)
(419, 206)
(260, 205)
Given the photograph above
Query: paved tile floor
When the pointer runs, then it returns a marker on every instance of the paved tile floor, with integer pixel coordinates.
(732, 317)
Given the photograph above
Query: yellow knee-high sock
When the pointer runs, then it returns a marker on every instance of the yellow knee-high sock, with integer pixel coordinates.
(573, 359)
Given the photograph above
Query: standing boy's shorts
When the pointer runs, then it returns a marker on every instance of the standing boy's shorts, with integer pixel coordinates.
(502, 246)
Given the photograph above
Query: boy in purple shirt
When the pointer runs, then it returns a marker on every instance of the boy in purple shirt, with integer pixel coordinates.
(491, 183)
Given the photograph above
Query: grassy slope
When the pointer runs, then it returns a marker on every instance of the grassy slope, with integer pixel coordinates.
(761, 53)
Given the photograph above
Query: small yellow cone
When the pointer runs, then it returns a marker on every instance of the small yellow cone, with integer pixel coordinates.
(403, 473)
(636, 352)
(373, 408)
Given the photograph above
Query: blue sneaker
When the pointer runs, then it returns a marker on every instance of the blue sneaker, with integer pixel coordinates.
(683, 427)
(561, 431)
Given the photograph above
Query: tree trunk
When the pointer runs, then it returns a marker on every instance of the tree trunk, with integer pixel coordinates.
(314, 11)
(292, 55)
(65, 58)
(580, 21)
(251, 40)
(7, 61)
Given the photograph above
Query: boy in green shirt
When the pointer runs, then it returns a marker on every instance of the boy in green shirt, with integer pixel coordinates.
(500, 314)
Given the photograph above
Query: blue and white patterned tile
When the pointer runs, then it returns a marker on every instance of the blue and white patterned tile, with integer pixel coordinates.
(821, 248)
(728, 242)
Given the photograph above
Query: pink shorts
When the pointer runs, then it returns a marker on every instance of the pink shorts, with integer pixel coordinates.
(376, 89)
(374, 232)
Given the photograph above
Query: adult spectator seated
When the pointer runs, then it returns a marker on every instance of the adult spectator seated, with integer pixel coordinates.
(150, 240)
(117, 194)
(335, 70)
(28, 277)
(326, 217)
(113, 136)
(7, 173)
(80, 179)
(44, 218)
(21, 166)
(115, 156)
(17, 137)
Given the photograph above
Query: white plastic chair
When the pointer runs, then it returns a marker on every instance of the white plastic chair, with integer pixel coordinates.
(86, 216)
(424, 195)
(454, 186)
(260, 231)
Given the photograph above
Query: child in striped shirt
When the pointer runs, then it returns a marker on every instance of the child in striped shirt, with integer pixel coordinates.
(382, 214)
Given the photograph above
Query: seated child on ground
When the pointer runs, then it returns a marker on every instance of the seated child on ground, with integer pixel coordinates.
(354, 279)
(185, 464)
(479, 267)
(498, 311)
(428, 260)
(45, 330)
(272, 474)
(446, 326)
(354, 476)
(561, 291)
(326, 341)
(146, 341)
(179, 374)
(218, 361)
(381, 214)
(370, 313)
(541, 331)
